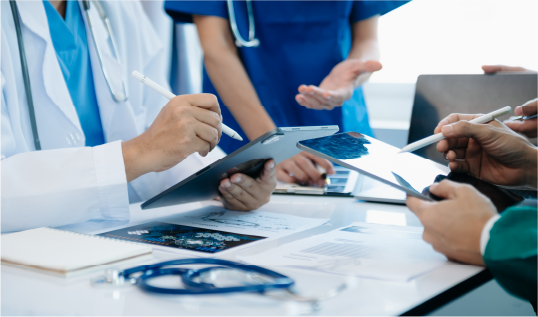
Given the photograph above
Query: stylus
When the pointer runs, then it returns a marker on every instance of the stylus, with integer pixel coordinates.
(523, 118)
(439, 136)
(153, 85)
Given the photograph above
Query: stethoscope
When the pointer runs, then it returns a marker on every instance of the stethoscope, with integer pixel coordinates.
(248, 279)
(117, 95)
(239, 41)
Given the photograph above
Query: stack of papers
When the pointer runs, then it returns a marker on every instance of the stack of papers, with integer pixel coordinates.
(395, 253)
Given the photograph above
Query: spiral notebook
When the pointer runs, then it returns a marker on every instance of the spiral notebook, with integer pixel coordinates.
(67, 253)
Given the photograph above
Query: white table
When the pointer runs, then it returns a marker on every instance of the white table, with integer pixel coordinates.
(31, 293)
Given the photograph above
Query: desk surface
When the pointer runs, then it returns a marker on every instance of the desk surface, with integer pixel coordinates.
(31, 293)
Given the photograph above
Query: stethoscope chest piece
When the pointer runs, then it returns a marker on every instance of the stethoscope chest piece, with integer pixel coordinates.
(113, 279)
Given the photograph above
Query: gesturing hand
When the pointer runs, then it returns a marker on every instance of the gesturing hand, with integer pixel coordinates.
(243, 193)
(338, 86)
(491, 152)
(186, 125)
(453, 226)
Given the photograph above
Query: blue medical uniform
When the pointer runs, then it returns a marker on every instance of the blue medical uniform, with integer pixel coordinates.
(71, 46)
(300, 43)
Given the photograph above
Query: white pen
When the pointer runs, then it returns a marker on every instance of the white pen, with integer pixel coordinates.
(439, 136)
(153, 85)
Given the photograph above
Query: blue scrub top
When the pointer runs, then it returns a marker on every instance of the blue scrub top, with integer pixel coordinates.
(300, 43)
(71, 46)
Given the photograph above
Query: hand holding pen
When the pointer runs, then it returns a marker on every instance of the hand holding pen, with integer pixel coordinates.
(167, 94)
(526, 121)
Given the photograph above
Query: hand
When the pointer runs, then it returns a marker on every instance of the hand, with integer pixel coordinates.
(527, 127)
(490, 69)
(491, 152)
(241, 192)
(338, 86)
(301, 169)
(453, 226)
(187, 124)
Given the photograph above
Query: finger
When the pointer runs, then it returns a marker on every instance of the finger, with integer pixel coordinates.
(369, 66)
(206, 101)
(302, 89)
(308, 167)
(267, 176)
(327, 165)
(301, 100)
(418, 206)
(527, 127)
(465, 129)
(322, 96)
(489, 69)
(459, 167)
(445, 189)
(199, 145)
(229, 201)
(241, 195)
(248, 184)
(448, 144)
(455, 154)
(528, 109)
(453, 118)
(297, 173)
(314, 103)
(283, 176)
(208, 134)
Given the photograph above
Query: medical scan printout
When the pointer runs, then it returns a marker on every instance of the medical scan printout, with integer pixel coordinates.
(213, 230)
(394, 253)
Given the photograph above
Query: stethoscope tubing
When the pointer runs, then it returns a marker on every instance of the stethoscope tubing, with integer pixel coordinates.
(194, 288)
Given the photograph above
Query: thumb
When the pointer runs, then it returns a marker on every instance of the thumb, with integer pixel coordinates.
(268, 173)
(445, 189)
(528, 109)
(369, 66)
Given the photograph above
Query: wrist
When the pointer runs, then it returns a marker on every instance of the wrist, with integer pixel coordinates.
(532, 168)
(134, 159)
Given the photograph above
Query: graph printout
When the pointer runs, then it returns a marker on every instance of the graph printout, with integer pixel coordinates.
(385, 252)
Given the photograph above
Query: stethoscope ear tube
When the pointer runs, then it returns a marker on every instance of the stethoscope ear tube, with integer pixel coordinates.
(25, 76)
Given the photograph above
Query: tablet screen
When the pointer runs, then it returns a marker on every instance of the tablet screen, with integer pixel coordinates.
(379, 159)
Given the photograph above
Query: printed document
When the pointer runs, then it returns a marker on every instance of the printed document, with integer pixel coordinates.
(395, 253)
(213, 230)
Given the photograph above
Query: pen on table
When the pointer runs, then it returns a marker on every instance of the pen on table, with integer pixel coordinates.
(523, 118)
(167, 94)
(439, 136)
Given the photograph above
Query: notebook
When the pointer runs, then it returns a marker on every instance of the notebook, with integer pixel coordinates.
(67, 253)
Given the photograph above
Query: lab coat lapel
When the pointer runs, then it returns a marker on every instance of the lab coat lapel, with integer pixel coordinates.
(118, 119)
(33, 16)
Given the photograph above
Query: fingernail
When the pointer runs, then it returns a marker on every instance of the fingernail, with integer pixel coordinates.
(311, 92)
(227, 184)
(328, 97)
(447, 129)
(271, 165)
(236, 179)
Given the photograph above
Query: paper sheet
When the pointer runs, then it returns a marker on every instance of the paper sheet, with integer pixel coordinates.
(212, 230)
(395, 253)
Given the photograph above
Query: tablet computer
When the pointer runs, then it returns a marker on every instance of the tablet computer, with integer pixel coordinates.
(405, 171)
(278, 144)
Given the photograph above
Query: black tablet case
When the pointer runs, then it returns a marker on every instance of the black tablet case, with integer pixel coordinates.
(278, 144)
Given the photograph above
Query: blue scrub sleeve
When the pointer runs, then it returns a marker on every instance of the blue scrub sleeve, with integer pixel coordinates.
(363, 10)
(182, 11)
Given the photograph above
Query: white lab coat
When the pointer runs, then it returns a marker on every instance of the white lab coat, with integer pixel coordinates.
(66, 182)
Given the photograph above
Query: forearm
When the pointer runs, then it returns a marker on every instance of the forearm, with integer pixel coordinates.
(511, 252)
(365, 45)
(230, 77)
(236, 90)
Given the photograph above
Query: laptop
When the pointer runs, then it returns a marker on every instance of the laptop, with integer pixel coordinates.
(437, 96)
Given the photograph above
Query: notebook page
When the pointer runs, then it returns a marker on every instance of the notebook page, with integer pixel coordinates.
(65, 251)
